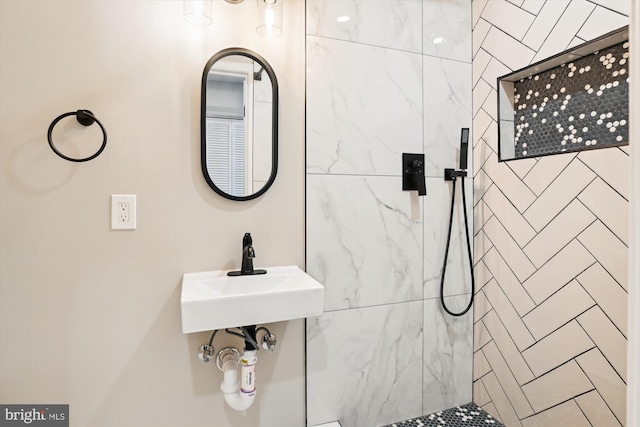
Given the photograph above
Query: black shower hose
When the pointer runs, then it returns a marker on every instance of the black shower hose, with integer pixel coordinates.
(446, 251)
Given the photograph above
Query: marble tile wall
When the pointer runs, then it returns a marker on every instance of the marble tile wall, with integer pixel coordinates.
(551, 240)
(395, 77)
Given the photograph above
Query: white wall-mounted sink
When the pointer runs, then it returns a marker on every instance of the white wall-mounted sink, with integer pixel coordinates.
(212, 300)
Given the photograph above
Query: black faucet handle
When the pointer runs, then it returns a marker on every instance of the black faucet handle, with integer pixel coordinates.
(251, 253)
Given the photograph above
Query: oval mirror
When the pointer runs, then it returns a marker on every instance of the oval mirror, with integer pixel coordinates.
(239, 124)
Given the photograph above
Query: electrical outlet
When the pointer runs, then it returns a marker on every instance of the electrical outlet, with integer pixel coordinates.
(123, 212)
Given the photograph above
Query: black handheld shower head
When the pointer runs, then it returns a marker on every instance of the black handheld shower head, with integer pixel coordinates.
(464, 148)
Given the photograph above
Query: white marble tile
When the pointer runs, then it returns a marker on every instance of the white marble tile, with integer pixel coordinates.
(364, 107)
(508, 17)
(600, 22)
(437, 205)
(446, 29)
(363, 365)
(447, 109)
(395, 24)
(448, 354)
(364, 240)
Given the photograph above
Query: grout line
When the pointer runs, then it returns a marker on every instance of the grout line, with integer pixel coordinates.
(598, 261)
(600, 176)
(549, 185)
(598, 347)
(582, 26)
(570, 240)
(550, 31)
(563, 324)
(499, 383)
(598, 305)
(609, 9)
(366, 44)
(595, 215)
(505, 359)
(594, 387)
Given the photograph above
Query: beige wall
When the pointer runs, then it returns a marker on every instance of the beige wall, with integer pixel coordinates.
(90, 316)
(552, 242)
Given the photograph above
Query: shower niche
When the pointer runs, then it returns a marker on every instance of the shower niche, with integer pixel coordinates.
(576, 100)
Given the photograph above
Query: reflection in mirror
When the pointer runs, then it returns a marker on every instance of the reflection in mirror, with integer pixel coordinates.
(239, 124)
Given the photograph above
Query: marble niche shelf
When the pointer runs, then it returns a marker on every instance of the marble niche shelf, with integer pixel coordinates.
(576, 100)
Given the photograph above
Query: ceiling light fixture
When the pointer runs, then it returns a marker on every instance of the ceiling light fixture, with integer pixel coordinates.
(269, 18)
(197, 12)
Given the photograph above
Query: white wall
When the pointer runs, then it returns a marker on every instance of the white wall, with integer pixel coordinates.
(90, 316)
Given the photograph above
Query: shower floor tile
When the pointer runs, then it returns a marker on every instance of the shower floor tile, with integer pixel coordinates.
(468, 415)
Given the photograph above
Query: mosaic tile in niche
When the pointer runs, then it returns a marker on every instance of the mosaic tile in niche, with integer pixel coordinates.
(579, 105)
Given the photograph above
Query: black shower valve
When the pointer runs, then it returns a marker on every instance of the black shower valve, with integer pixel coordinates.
(413, 173)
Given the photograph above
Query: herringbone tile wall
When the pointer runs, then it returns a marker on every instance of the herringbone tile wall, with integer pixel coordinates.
(551, 239)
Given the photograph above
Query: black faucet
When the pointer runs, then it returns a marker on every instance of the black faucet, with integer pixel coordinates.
(248, 254)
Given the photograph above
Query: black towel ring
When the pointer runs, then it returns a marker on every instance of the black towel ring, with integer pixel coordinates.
(85, 118)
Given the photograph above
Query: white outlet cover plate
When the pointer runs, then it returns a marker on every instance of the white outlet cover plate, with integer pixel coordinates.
(123, 225)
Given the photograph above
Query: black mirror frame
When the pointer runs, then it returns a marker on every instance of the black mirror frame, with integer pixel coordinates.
(274, 128)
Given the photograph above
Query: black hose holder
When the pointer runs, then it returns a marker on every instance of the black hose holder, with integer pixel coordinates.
(85, 118)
